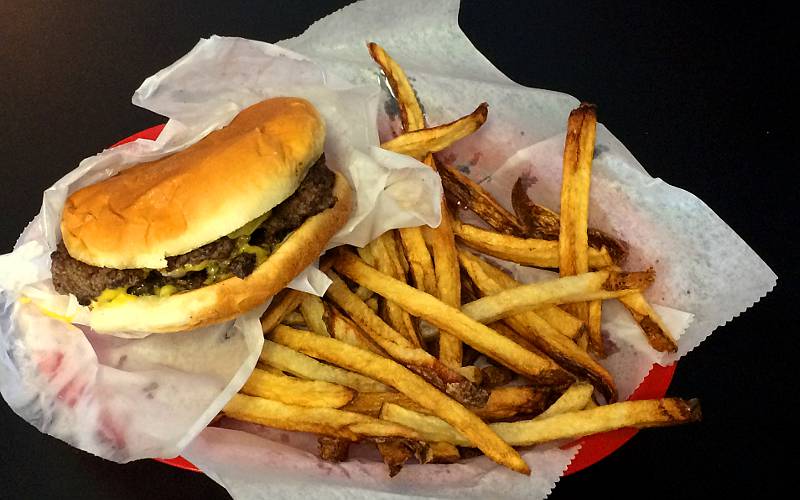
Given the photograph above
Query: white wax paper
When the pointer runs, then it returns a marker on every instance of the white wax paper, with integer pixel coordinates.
(691, 249)
(129, 395)
(703, 267)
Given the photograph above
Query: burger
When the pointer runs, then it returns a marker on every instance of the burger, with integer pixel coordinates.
(207, 233)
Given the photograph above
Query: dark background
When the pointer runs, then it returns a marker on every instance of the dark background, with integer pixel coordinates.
(699, 94)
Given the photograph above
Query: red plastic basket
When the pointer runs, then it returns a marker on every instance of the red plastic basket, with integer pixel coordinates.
(593, 448)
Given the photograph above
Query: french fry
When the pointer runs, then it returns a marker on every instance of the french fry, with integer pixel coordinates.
(395, 453)
(639, 414)
(559, 319)
(573, 239)
(342, 328)
(447, 318)
(399, 348)
(448, 284)
(413, 386)
(325, 421)
(587, 286)
(419, 259)
(494, 376)
(525, 251)
(300, 365)
(419, 143)
(294, 318)
(385, 254)
(313, 312)
(284, 303)
(293, 391)
(575, 398)
(443, 243)
(472, 373)
(543, 223)
(536, 330)
(656, 332)
(372, 303)
(333, 449)
(463, 192)
(410, 111)
(363, 293)
(438, 453)
(503, 403)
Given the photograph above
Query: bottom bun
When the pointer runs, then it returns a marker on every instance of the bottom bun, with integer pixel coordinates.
(229, 298)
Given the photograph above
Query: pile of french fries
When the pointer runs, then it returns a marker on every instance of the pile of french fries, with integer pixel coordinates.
(426, 349)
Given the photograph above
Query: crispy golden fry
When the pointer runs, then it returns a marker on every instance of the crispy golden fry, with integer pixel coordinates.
(285, 302)
(395, 453)
(333, 449)
(472, 373)
(525, 251)
(443, 243)
(509, 333)
(657, 333)
(575, 398)
(573, 240)
(294, 318)
(342, 328)
(325, 421)
(438, 453)
(536, 330)
(366, 254)
(594, 332)
(559, 319)
(399, 348)
(468, 194)
(413, 386)
(447, 318)
(588, 286)
(294, 391)
(503, 403)
(419, 143)
(543, 223)
(410, 110)
(300, 365)
(639, 414)
(448, 283)
(313, 312)
(386, 256)
(419, 259)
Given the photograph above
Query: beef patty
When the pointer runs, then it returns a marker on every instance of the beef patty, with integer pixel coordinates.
(87, 282)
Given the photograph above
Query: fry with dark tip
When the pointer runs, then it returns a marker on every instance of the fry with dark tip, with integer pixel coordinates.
(419, 143)
(410, 384)
(443, 247)
(465, 193)
(573, 238)
(525, 251)
(333, 449)
(639, 414)
(544, 224)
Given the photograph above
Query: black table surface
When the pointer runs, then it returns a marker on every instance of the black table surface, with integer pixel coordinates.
(699, 94)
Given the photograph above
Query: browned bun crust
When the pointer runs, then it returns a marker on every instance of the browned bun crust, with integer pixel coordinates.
(180, 202)
(227, 299)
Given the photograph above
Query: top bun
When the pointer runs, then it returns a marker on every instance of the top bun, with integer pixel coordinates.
(178, 203)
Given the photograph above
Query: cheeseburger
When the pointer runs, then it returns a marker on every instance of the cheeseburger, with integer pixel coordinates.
(207, 233)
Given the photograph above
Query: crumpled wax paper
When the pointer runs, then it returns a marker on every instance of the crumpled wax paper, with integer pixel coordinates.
(689, 246)
(127, 395)
(706, 275)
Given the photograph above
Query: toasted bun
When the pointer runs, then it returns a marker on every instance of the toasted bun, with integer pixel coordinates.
(178, 203)
(227, 299)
